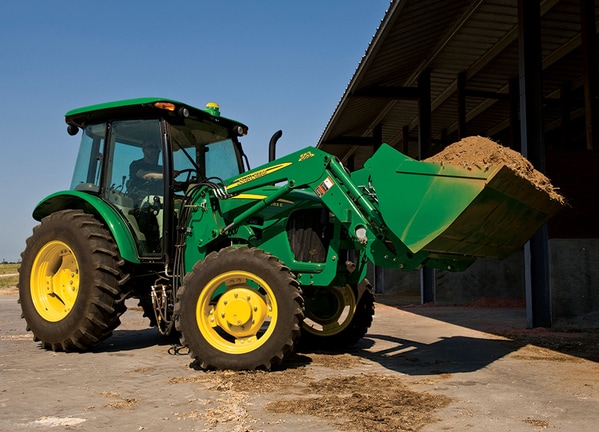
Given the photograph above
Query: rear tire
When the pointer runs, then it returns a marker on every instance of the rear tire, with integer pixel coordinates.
(239, 308)
(70, 282)
(334, 320)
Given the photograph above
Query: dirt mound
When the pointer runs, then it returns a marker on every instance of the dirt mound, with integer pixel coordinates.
(478, 152)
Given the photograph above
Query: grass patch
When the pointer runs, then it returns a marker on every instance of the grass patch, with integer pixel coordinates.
(8, 269)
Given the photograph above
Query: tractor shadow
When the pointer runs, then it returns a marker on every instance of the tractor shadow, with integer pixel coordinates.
(456, 354)
(448, 355)
(130, 340)
(506, 326)
(475, 338)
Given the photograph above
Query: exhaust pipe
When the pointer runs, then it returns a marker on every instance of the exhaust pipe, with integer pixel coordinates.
(272, 145)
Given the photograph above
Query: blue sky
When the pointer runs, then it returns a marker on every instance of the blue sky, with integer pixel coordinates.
(269, 64)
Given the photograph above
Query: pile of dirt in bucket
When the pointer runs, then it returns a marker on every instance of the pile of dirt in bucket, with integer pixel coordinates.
(478, 152)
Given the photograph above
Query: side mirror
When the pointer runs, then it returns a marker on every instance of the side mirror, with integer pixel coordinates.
(72, 130)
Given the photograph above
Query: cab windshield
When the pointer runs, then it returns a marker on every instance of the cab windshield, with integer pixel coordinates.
(206, 148)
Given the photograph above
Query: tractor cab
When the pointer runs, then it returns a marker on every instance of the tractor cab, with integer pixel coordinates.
(141, 156)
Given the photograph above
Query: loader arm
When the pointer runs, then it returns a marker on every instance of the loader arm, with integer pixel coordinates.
(399, 212)
(318, 172)
(323, 176)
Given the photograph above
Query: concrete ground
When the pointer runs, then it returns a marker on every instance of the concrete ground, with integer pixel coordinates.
(482, 369)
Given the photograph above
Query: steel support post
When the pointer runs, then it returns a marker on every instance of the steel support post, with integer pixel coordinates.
(427, 275)
(536, 251)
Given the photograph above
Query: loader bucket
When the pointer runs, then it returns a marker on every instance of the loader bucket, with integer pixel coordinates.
(479, 212)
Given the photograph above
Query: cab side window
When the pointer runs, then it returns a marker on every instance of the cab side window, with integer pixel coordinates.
(88, 168)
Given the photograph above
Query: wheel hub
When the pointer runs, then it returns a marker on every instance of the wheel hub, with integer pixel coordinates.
(54, 281)
(241, 312)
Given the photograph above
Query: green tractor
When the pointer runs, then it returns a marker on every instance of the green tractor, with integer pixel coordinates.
(243, 264)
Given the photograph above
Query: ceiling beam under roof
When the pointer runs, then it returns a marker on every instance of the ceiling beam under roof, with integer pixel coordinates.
(388, 92)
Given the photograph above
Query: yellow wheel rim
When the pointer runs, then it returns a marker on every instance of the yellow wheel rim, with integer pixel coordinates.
(237, 312)
(341, 303)
(54, 281)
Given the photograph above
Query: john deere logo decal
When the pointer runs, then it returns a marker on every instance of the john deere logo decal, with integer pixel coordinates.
(257, 174)
(305, 156)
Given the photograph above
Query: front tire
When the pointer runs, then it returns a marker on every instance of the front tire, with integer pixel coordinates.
(70, 282)
(239, 308)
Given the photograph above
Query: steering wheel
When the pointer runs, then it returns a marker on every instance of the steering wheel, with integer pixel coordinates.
(191, 177)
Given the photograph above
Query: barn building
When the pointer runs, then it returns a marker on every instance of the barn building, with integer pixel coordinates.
(521, 72)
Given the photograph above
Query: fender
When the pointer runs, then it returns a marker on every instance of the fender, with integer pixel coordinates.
(94, 205)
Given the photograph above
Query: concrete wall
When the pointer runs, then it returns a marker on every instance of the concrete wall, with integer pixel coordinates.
(574, 267)
(574, 277)
(488, 278)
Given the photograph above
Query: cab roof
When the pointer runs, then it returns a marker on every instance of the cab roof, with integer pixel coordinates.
(149, 107)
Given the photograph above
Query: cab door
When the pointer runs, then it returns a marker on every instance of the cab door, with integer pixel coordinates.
(139, 199)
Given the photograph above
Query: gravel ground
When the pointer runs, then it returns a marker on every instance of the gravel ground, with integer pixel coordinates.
(419, 368)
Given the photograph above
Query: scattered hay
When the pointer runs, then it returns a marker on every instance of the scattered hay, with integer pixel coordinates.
(372, 402)
(122, 403)
(537, 423)
(257, 382)
(337, 361)
(352, 402)
(125, 403)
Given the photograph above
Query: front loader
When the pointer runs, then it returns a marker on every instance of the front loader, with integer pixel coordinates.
(244, 264)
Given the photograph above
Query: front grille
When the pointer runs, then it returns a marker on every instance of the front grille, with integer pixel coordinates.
(308, 233)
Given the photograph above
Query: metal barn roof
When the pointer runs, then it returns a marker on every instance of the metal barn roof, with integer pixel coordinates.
(475, 41)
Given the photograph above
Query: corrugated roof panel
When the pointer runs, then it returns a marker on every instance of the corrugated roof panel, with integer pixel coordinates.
(478, 38)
